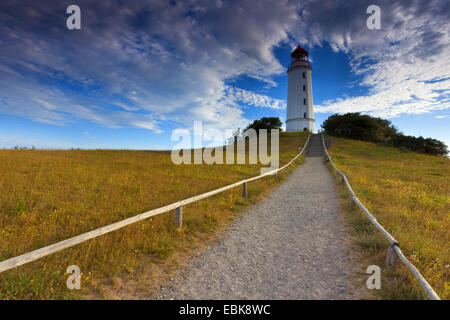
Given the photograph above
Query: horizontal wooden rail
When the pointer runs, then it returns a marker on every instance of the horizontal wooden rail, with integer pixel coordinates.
(394, 245)
(45, 251)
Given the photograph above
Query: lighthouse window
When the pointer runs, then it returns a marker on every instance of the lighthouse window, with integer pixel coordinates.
(304, 88)
(304, 101)
(304, 75)
(304, 115)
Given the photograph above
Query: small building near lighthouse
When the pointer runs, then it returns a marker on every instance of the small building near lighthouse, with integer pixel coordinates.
(300, 113)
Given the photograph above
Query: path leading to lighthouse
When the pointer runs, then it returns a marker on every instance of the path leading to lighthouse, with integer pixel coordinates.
(292, 245)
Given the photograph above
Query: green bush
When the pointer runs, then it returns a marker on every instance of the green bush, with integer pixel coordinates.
(265, 123)
(359, 127)
(420, 144)
(363, 127)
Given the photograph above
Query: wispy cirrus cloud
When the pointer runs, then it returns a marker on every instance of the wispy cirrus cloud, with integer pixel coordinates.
(405, 64)
(254, 99)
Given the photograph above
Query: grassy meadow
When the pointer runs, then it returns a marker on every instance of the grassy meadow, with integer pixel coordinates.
(409, 194)
(50, 195)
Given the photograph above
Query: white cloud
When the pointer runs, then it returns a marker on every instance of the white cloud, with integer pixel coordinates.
(254, 99)
(405, 64)
(150, 125)
(162, 60)
(154, 60)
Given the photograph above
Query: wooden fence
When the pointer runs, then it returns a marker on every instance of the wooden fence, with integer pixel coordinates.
(177, 206)
(394, 251)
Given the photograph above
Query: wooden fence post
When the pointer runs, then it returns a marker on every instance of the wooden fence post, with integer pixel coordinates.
(179, 217)
(244, 190)
(391, 258)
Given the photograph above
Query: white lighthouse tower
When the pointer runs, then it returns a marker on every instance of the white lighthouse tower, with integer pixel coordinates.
(300, 113)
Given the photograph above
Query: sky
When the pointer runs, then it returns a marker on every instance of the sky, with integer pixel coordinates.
(138, 70)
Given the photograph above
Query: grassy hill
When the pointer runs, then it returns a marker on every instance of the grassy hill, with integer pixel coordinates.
(50, 195)
(409, 194)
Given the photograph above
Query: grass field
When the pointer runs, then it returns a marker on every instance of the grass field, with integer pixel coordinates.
(50, 195)
(409, 194)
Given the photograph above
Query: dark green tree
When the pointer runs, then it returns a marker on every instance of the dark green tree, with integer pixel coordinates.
(265, 123)
(360, 127)
(420, 144)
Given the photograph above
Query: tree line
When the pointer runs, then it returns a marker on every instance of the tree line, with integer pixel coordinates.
(364, 127)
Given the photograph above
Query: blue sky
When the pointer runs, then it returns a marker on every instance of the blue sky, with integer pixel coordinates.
(138, 70)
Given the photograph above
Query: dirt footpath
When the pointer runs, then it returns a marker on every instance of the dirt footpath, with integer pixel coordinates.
(292, 245)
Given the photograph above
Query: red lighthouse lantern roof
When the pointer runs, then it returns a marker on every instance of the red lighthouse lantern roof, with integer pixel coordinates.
(299, 51)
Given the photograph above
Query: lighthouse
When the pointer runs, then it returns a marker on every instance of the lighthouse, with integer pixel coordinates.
(300, 113)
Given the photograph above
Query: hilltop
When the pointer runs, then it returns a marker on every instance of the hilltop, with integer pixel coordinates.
(409, 195)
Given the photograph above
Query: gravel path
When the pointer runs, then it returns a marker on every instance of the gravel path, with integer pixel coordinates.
(292, 245)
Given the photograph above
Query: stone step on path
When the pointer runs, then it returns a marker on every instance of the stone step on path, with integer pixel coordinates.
(315, 146)
(294, 244)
